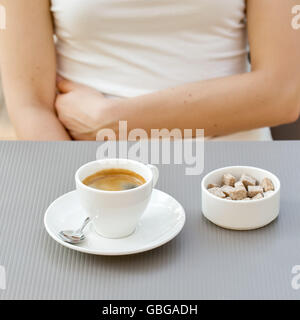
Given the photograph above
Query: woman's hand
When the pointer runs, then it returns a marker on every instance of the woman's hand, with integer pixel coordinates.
(82, 110)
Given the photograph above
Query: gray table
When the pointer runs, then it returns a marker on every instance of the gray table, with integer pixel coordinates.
(203, 262)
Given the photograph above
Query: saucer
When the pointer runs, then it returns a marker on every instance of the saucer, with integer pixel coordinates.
(161, 222)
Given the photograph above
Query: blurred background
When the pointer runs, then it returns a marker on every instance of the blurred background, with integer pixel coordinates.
(286, 132)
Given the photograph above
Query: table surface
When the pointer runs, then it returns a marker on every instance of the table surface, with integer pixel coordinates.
(202, 262)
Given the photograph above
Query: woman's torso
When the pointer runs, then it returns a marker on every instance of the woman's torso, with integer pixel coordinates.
(127, 48)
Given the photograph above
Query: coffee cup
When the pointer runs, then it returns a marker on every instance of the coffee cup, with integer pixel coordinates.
(115, 214)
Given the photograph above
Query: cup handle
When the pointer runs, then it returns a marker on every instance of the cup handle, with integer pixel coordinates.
(155, 173)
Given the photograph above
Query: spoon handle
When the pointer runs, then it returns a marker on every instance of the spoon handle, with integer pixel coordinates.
(86, 221)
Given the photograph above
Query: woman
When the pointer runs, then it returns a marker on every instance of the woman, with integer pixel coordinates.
(157, 64)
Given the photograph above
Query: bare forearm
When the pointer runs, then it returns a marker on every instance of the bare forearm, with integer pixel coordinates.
(267, 96)
(220, 106)
(38, 123)
(28, 66)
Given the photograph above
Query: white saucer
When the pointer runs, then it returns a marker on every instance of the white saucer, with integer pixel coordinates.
(162, 221)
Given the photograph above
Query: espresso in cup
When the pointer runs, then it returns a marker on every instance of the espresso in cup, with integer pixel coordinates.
(115, 214)
(114, 180)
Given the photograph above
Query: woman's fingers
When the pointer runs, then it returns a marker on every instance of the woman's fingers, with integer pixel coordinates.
(65, 86)
(80, 108)
(58, 78)
(60, 106)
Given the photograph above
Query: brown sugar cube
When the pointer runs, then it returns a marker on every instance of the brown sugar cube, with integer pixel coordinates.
(258, 196)
(227, 189)
(217, 192)
(238, 193)
(248, 180)
(254, 191)
(212, 185)
(239, 184)
(268, 193)
(228, 180)
(267, 185)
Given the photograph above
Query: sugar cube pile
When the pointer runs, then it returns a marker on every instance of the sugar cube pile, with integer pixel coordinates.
(244, 188)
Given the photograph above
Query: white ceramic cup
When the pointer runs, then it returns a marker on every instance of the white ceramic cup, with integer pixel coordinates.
(115, 214)
(240, 214)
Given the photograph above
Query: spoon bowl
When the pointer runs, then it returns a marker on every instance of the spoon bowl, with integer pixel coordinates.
(74, 236)
(68, 236)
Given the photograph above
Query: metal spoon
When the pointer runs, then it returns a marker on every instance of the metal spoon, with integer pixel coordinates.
(74, 236)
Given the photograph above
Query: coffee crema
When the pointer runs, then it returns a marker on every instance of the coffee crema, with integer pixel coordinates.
(114, 180)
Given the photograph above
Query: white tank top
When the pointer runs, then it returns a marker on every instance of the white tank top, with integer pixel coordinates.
(127, 48)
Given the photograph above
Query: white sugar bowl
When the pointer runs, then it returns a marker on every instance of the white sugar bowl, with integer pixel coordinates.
(240, 214)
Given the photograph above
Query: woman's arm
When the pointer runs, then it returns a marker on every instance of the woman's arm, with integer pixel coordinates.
(28, 67)
(269, 95)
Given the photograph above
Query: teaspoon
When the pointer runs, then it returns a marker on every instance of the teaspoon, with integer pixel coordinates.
(74, 236)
